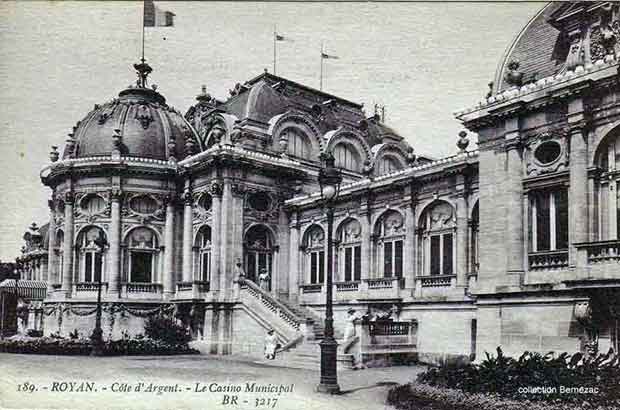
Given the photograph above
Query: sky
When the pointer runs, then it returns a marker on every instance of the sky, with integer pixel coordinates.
(422, 61)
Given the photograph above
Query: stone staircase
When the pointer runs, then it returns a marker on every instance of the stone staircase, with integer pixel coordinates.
(288, 318)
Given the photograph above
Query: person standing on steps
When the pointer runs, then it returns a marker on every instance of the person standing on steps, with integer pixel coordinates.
(271, 344)
(264, 279)
(349, 329)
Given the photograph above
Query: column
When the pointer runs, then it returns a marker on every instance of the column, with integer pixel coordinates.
(408, 257)
(67, 266)
(187, 236)
(293, 267)
(169, 282)
(225, 253)
(461, 240)
(284, 256)
(367, 268)
(114, 270)
(578, 194)
(514, 206)
(216, 235)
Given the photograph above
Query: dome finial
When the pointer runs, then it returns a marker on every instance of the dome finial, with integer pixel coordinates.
(142, 70)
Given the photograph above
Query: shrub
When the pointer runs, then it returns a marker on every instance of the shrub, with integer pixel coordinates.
(507, 377)
(35, 333)
(167, 330)
(417, 396)
(68, 346)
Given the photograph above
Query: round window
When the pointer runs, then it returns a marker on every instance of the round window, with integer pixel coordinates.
(205, 201)
(93, 204)
(260, 201)
(547, 152)
(143, 204)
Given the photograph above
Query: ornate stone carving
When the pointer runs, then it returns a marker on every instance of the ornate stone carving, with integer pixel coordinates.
(547, 152)
(441, 216)
(514, 76)
(143, 114)
(117, 139)
(216, 189)
(54, 155)
(463, 141)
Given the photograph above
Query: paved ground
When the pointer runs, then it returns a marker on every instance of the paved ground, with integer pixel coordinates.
(188, 375)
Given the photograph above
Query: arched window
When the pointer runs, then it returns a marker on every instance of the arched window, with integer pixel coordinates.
(259, 248)
(141, 255)
(608, 160)
(314, 249)
(203, 253)
(474, 263)
(436, 244)
(388, 164)
(297, 142)
(91, 254)
(388, 238)
(346, 157)
(349, 254)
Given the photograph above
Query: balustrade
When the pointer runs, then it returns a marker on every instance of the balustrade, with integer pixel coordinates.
(436, 280)
(548, 260)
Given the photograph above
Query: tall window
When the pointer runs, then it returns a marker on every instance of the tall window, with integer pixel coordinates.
(203, 254)
(141, 255)
(90, 254)
(389, 237)
(437, 239)
(346, 157)
(314, 248)
(259, 250)
(349, 255)
(474, 263)
(297, 142)
(549, 220)
(608, 161)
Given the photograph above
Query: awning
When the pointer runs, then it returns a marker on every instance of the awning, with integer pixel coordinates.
(27, 289)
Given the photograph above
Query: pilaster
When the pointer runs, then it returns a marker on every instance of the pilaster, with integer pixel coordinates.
(578, 191)
(216, 234)
(114, 271)
(51, 247)
(461, 238)
(168, 274)
(514, 218)
(188, 216)
(67, 267)
(294, 252)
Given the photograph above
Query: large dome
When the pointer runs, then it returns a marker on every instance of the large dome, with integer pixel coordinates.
(138, 123)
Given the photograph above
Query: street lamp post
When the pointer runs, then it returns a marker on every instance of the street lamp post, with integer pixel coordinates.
(97, 336)
(329, 182)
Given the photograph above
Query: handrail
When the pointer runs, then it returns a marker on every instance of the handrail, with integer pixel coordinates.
(291, 343)
(348, 344)
(271, 299)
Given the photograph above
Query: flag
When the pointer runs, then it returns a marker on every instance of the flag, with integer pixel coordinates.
(326, 56)
(155, 17)
(280, 37)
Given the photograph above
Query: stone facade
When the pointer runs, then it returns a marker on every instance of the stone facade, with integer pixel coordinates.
(506, 245)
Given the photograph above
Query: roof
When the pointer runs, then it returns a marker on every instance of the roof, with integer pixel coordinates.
(138, 123)
(539, 50)
(29, 289)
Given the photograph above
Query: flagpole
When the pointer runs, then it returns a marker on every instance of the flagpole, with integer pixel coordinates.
(321, 78)
(143, 11)
(274, 49)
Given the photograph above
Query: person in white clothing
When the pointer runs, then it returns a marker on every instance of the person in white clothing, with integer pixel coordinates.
(349, 329)
(271, 344)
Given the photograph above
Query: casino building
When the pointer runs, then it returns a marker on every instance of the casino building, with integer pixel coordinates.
(513, 244)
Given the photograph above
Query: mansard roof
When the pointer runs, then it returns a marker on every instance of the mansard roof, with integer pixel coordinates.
(542, 47)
